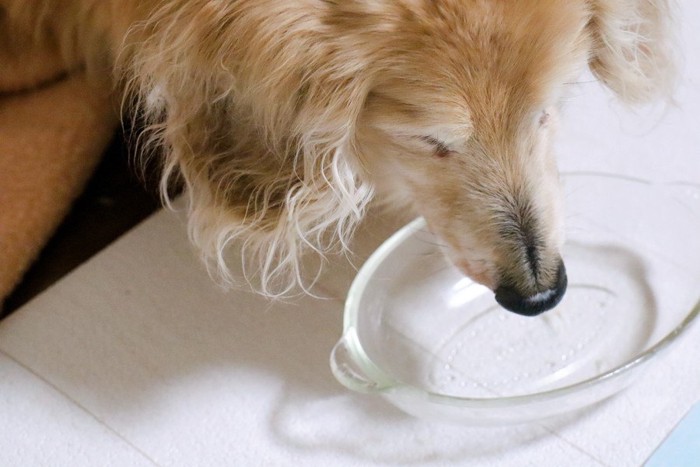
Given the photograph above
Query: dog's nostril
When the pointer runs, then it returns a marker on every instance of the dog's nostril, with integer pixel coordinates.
(532, 305)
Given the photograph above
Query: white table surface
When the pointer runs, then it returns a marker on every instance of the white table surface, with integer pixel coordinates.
(138, 358)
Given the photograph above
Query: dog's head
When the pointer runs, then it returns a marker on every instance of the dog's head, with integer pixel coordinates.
(285, 121)
(459, 122)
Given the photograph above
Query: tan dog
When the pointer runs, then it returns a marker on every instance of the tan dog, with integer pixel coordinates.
(284, 118)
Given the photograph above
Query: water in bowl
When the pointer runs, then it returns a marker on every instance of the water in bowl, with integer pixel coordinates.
(457, 341)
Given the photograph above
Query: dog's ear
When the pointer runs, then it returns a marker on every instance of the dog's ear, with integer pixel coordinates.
(271, 195)
(633, 47)
(266, 151)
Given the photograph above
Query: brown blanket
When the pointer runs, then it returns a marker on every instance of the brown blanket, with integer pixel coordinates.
(51, 138)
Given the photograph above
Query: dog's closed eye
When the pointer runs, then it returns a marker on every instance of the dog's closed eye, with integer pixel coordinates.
(440, 149)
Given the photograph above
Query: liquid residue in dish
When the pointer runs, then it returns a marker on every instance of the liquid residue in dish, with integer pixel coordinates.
(470, 347)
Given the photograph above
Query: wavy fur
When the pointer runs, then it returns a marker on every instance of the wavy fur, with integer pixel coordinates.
(269, 112)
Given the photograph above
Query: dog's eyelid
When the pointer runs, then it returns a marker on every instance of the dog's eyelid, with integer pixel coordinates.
(544, 118)
(432, 140)
(441, 148)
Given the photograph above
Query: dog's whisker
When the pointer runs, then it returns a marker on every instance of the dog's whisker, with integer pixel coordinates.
(574, 83)
(434, 243)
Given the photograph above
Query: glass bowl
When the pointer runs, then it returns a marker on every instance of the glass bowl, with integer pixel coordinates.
(438, 346)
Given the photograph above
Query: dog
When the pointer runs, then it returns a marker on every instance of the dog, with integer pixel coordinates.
(284, 119)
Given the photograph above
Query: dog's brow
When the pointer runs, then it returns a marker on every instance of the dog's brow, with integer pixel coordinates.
(408, 109)
(441, 149)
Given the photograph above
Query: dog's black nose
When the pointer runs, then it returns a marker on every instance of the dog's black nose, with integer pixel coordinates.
(512, 300)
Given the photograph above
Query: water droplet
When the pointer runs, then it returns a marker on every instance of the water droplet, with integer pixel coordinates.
(448, 366)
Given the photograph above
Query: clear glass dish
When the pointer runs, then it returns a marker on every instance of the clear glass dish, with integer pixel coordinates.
(437, 345)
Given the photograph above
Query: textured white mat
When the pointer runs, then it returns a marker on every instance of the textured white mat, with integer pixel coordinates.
(137, 358)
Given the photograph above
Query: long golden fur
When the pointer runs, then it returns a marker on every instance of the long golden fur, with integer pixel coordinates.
(284, 118)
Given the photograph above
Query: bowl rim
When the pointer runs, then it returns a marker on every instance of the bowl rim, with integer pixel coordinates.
(389, 384)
